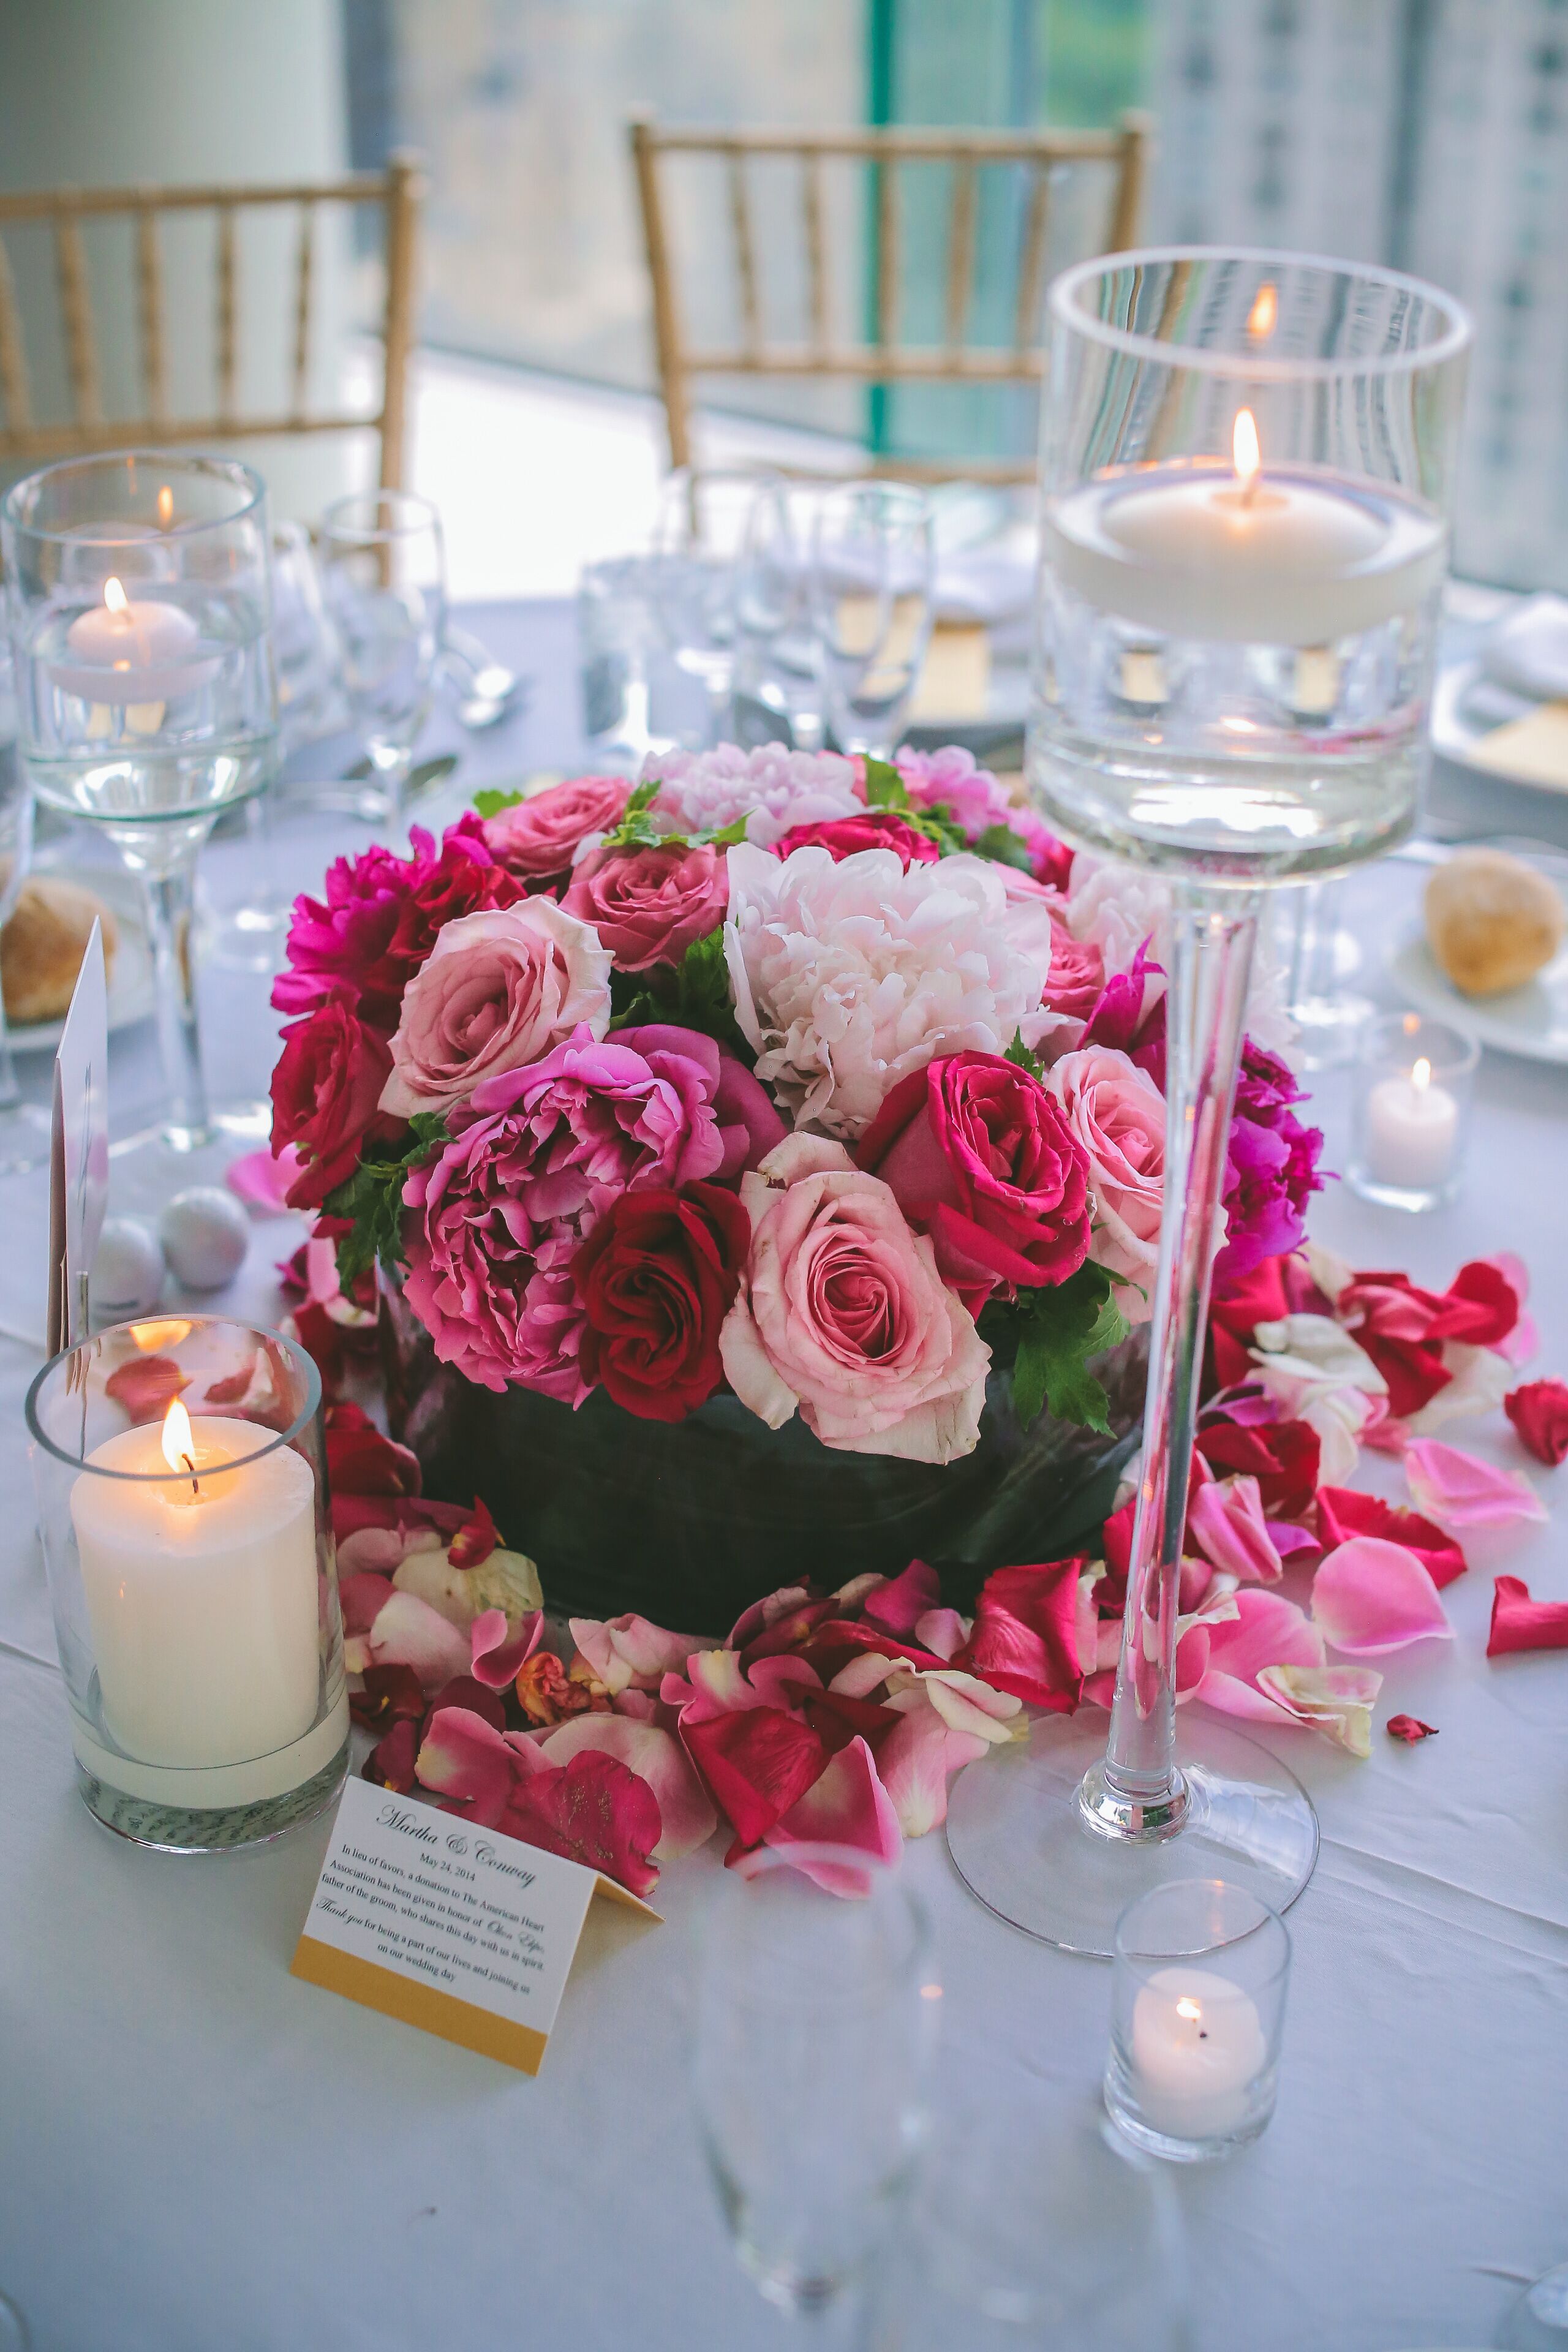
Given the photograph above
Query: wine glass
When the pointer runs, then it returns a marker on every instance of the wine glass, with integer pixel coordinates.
(1538, 2320)
(138, 598)
(872, 553)
(817, 2020)
(699, 541)
(779, 663)
(384, 579)
(1246, 456)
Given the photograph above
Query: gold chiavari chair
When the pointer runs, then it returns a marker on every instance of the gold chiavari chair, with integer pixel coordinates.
(884, 356)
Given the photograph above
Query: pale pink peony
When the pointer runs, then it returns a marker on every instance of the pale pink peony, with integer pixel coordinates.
(500, 990)
(842, 1315)
(1118, 1114)
(847, 976)
(772, 788)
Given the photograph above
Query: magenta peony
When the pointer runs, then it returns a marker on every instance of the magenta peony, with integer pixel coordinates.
(326, 1095)
(537, 839)
(648, 905)
(1272, 1169)
(980, 1157)
(1118, 1115)
(501, 988)
(844, 1316)
(978, 802)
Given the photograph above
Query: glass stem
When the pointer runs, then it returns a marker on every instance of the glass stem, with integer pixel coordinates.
(10, 1092)
(170, 914)
(1138, 1792)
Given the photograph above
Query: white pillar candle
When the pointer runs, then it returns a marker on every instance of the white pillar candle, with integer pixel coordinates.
(201, 1590)
(1198, 2048)
(1294, 556)
(137, 650)
(1412, 1129)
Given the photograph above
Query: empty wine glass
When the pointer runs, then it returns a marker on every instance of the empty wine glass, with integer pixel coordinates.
(817, 2020)
(383, 575)
(780, 664)
(871, 563)
(703, 522)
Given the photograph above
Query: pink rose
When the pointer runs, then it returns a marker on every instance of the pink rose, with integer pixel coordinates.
(535, 840)
(842, 1315)
(500, 990)
(1076, 975)
(648, 905)
(841, 837)
(1118, 1114)
(980, 1157)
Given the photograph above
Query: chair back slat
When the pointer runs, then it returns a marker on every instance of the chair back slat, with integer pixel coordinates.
(13, 357)
(959, 251)
(227, 335)
(1132, 164)
(304, 266)
(815, 254)
(76, 311)
(887, 180)
(1032, 261)
(745, 255)
(149, 314)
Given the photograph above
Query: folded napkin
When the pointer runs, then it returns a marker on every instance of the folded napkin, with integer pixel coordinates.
(1520, 1624)
(1527, 652)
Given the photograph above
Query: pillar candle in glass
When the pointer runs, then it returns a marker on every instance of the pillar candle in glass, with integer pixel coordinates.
(1410, 1110)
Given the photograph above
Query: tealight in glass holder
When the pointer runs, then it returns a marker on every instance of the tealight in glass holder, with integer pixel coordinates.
(183, 1503)
(1198, 2009)
(1410, 1111)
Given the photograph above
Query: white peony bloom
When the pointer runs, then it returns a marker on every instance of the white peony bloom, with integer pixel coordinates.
(1117, 907)
(849, 976)
(772, 788)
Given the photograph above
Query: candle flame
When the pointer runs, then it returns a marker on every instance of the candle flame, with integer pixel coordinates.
(1421, 1075)
(1191, 2009)
(1245, 455)
(179, 1438)
(114, 595)
(166, 1332)
(1265, 311)
(166, 499)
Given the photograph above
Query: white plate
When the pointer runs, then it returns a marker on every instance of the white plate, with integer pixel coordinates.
(1531, 1021)
(1459, 738)
(131, 996)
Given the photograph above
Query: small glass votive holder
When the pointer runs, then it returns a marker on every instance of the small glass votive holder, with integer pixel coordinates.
(1410, 1110)
(1199, 1978)
(183, 1503)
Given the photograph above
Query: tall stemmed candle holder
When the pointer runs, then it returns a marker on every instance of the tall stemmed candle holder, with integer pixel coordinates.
(1247, 469)
(182, 1504)
(137, 597)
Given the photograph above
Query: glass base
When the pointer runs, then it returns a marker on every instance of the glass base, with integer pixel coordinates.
(240, 1126)
(210, 1829)
(1025, 1846)
(1538, 2320)
(1169, 2146)
(1411, 1198)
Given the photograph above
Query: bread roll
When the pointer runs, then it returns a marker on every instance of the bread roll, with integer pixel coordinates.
(1492, 921)
(42, 946)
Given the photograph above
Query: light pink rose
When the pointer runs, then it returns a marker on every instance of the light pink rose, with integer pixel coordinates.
(1118, 1114)
(648, 905)
(536, 839)
(500, 990)
(842, 1315)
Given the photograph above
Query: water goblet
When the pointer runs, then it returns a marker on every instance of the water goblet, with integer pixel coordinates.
(816, 2018)
(698, 541)
(779, 661)
(872, 557)
(384, 577)
(1246, 459)
(138, 599)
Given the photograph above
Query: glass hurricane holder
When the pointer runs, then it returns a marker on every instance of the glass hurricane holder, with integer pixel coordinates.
(1247, 458)
(25, 1128)
(1198, 2012)
(192, 1578)
(1410, 1111)
(138, 597)
(873, 555)
(384, 580)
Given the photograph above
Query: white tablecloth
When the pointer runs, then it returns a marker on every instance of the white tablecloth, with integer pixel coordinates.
(197, 2151)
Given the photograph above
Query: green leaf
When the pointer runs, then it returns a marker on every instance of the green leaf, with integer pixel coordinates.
(724, 836)
(1025, 1055)
(372, 1198)
(637, 829)
(490, 803)
(1062, 1329)
(695, 994)
(884, 788)
(1002, 845)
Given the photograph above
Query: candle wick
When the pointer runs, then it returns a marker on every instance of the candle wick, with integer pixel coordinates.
(191, 1468)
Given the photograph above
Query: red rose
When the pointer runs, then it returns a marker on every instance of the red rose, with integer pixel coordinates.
(326, 1095)
(1539, 1411)
(648, 905)
(841, 837)
(655, 1278)
(980, 1157)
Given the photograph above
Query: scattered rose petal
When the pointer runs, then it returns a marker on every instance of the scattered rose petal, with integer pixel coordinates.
(898, 1606)
(1539, 1411)
(1370, 1596)
(628, 1652)
(1410, 1729)
(409, 1633)
(391, 1762)
(475, 1541)
(1458, 1491)
(144, 1387)
(498, 1655)
(236, 1386)
(846, 1806)
(1343, 1513)
(1025, 1635)
(463, 1756)
(757, 1763)
(362, 1597)
(686, 1813)
(390, 1695)
(1264, 1631)
(1226, 1522)
(594, 1811)
(1477, 1382)
(464, 1691)
(1335, 1700)
(262, 1181)
(943, 1631)
(1520, 1624)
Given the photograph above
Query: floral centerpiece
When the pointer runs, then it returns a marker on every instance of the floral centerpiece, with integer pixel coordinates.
(809, 1105)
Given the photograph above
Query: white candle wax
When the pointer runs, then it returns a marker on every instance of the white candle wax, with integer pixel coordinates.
(1411, 1131)
(133, 650)
(1198, 2048)
(203, 1606)
(1303, 559)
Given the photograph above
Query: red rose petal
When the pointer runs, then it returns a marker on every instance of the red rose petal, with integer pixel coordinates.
(1539, 1411)
(476, 1541)
(594, 1811)
(1410, 1729)
(145, 1386)
(1025, 1635)
(1343, 1513)
(1520, 1624)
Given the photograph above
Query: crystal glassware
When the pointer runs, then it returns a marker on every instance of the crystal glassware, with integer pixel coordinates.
(619, 645)
(1198, 1991)
(25, 1128)
(704, 520)
(383, 582)
(1410, 1108)
(138, 597)
(779, 663)
(1247, 458)
(816, 2018)
(872, 559)
(181, 1478)
(1320, 958)
(1538, 2320)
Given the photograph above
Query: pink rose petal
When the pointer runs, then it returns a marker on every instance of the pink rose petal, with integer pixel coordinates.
(915, 1763)
(655, 1756)
(409, 1633)
(262, 1181)
(1458, 1491)
(1226, 1521)
(464, 1757)
(897, 1606)
(1335, 1700)
(497, 1661)
(1266, 1631)
(845, 1806)
(1370, 1596)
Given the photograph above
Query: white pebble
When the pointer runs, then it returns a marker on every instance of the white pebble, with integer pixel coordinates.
(206, 1234)
(128, 1271)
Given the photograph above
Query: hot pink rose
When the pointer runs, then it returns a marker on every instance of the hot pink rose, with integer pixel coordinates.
(648, 905)
(980, 1157)
(841, 837)
(1118, 1115)
(500, 989)
(842, 1315)
(535, 840)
